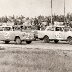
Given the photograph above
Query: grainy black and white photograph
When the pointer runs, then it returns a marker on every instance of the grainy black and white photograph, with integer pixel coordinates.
(35, 35)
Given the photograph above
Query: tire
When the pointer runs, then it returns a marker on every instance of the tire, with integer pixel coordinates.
(46, 39)
(34, 39)
(18, 40)
(55, 41)
(68, 39)
(6, 42)
(70, 42)
(28, 42)
(41, 38)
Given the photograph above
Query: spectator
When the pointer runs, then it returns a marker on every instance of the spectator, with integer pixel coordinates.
(36, 21)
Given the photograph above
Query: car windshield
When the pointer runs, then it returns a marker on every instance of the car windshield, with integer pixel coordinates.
(7, 29)
(50, 29)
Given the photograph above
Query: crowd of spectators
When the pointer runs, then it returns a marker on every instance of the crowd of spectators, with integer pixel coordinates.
(37, 22)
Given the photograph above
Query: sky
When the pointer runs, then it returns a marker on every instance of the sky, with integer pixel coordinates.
(34, 8)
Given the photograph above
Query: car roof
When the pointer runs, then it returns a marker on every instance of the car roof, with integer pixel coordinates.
(53, 26)
(6, 26)
(57, 26)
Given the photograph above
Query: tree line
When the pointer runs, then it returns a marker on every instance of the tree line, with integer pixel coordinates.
(38, 20)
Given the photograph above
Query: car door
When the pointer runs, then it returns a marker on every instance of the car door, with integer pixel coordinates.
(8, 33)
(66, 32)
(1, 33)
(59, 33)
(50, 32)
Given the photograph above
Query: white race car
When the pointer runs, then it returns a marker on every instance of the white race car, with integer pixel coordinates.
(56, 33)
(7, 34)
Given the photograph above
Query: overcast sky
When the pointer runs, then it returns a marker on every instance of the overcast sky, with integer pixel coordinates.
(33, 8)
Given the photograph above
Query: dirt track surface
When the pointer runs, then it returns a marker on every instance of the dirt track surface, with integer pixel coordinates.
(36, 57)
(38, 44)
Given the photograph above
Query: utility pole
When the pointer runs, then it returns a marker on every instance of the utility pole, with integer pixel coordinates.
(51, 11)
(64, 11)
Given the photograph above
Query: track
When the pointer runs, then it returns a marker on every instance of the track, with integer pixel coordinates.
(37, 45)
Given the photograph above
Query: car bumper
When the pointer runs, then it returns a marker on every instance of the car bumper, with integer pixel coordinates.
(29, 39)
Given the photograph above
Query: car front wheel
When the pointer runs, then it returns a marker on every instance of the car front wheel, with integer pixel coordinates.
(28, 42)
(18, 40)
(46, 39)
(6, 42)
(56, 41)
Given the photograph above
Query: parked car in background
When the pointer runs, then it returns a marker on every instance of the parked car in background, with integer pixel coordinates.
(7, 34)
(56, 33)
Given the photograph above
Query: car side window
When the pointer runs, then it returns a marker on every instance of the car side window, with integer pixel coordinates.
(70, 29)
(1, 29)
(7, 29)
(66, 29)
(58, 29)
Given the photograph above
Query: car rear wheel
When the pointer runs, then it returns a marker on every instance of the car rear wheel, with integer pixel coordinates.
(18, 40)
(70, 41)
(46, 39)
(56, 41)
(6, 42)
(28, 42)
